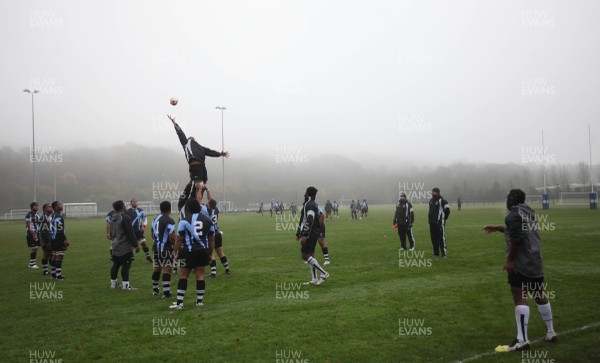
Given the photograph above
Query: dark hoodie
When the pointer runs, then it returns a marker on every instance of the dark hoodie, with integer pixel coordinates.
(522, 230)
(123, 237)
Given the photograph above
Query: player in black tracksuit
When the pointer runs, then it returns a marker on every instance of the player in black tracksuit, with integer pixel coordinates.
(196, 154)
(308, 233)
(403, 219)
(438, 214)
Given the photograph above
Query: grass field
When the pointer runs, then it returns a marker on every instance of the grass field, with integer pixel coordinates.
(461, 305)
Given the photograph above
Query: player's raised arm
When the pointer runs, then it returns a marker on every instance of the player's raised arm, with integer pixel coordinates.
(178, 130)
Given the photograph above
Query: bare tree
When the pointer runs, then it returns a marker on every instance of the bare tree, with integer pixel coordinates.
(583, 173)
(563, 177)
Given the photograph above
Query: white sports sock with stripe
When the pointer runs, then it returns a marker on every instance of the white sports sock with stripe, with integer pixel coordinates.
(522, 318)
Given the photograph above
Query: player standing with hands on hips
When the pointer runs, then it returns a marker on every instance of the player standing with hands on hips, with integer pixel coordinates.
(524, 266)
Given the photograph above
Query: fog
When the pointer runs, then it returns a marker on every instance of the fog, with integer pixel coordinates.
(433, 82)
(103, 175)
(352, 96)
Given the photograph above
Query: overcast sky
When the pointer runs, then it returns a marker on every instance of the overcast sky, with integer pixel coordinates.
(434, 81)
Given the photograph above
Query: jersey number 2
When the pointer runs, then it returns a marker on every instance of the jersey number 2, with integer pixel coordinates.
(198, 227)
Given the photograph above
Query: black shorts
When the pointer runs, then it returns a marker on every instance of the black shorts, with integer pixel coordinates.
(322, 232)
(45, 237)
(309, 246)
(193, 259)
(518, 280)
(139, 235)
(46, 240)
(218, 240)
(198, 171)
(122, 260)
(163, 258)
(58, 245)
(31, 242)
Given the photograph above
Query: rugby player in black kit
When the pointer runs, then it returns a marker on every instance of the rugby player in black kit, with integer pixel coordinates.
(32, 220)
(163, 234)
(308, 233)
(139, 222)
(58, 240)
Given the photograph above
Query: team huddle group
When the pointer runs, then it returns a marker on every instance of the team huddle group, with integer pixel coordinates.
(191, 246)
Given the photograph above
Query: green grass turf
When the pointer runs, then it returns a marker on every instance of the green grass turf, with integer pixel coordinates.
(463, 301)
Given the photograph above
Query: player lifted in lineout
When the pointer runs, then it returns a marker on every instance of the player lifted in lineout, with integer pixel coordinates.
(195, 155)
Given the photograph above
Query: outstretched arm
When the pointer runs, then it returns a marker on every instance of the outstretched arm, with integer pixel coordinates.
(178, 130)
(214, 153)
(492, 228)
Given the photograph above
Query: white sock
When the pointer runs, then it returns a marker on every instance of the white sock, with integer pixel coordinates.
(522, 318)
(546, 313)
(125, 284)
(315, 264)
(113, 283)
(313, 272)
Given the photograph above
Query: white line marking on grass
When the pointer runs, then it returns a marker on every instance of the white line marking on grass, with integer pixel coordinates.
(478, 356)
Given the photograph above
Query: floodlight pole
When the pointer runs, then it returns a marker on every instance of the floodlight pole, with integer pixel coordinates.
(544, 161)
(545, 200)
(222, 109)
(590, 145)
(55, 198)
(33, 92)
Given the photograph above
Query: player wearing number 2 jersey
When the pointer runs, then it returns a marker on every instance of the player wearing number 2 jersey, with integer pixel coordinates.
(195, 244)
